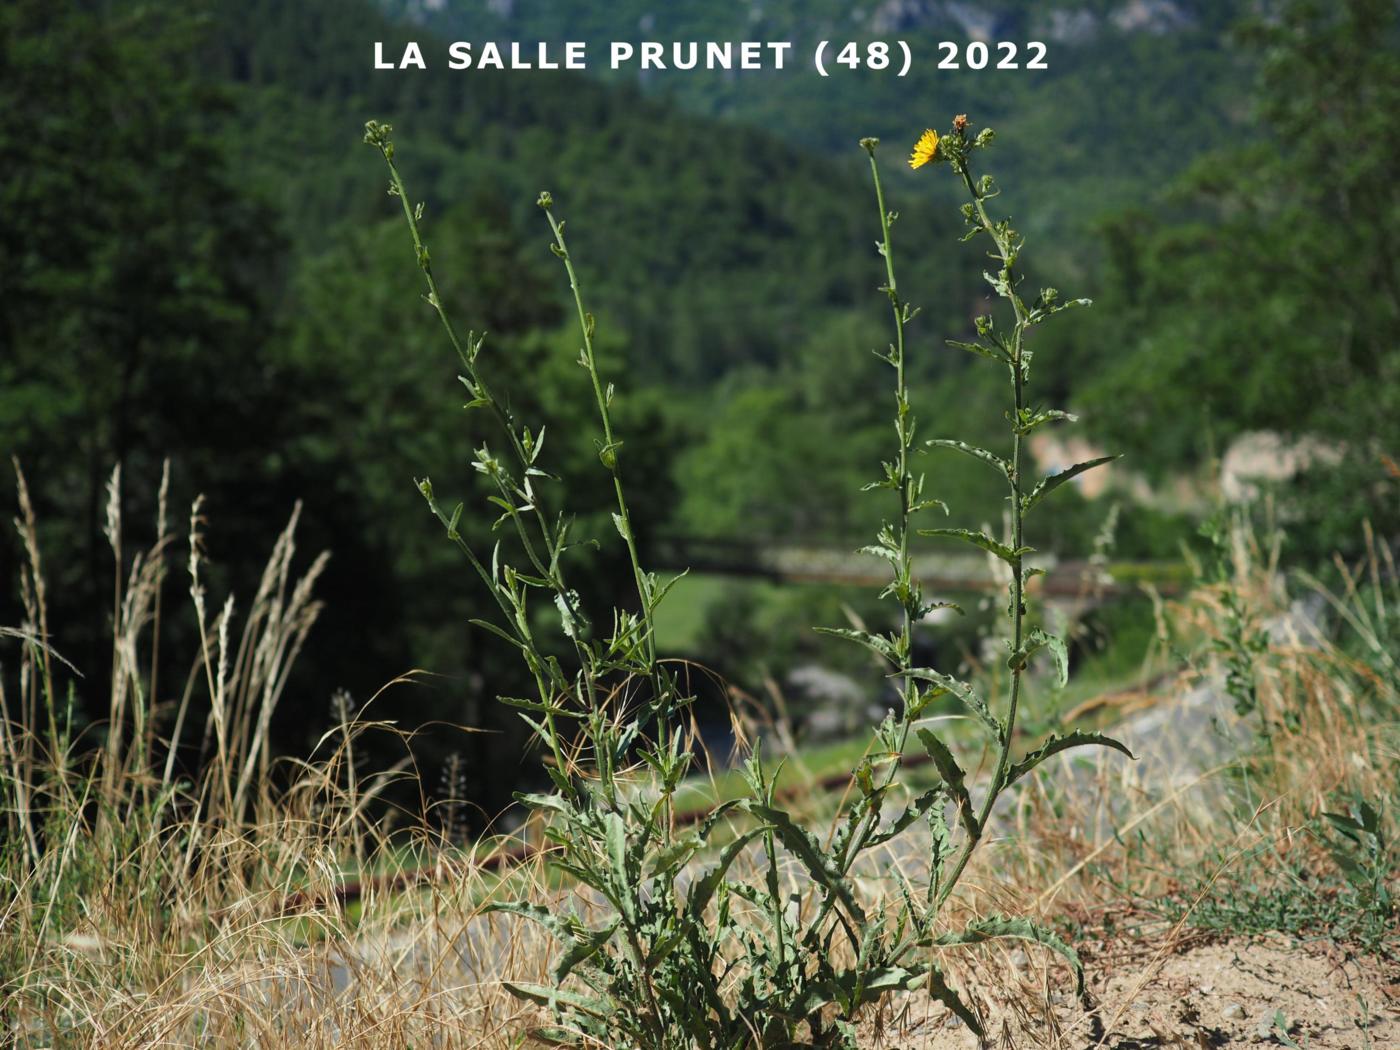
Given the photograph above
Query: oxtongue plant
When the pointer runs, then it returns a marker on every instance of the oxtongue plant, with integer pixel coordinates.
(700, 936)
(920, 687)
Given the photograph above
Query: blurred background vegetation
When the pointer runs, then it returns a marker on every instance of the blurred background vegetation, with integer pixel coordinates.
(197, 260)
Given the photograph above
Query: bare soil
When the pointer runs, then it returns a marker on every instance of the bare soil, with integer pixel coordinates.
(1197, 993)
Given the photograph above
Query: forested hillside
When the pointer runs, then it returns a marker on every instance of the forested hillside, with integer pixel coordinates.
(1133, 91)
(199, 260)
(265, 332)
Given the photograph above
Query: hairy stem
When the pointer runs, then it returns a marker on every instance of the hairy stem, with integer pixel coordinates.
(608, 454)
(1006, 253)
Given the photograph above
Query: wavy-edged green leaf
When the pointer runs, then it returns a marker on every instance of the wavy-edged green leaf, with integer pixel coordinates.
(615, 837)
(1059, 654)
(665, 861)
(912, 812)
(981, 539)
(499, 632)
(953, 776)
(536, 913)
(1018, 659)
(705, 886)
(1036, 641)
(996, 927)
(1031, 420)
(985, 455)
(1055, 745)
(556, 997)
(876, 643)
(995, 353)
(1049, 484)
(1049, 308)
(570, 614)
(963, 692)
(855, 987)
(585, 944)
(553, 1035)
(537, 801)
(538, 707)
(581, 943)
(805, 847)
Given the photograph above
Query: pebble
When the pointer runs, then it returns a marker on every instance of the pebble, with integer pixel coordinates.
(1233, 1012)
(1019, 959)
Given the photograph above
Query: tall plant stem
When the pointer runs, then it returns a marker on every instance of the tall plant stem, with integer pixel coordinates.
(467, 355)
(1006, 252)
(904, 569)
(608, 455)
(905, 587)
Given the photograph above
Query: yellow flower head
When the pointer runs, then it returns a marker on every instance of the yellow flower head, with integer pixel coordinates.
(925, 150)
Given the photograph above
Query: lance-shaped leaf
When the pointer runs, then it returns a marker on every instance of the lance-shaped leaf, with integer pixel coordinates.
(499, 632)
(1048, 485)
(615, 837)
(805, 847)
(912, 812)
(538, 707)
(586, 944)
(962, 691)
(1055, 745)
(996, 353)
(939, 988)
(996, 927)
(953, 776)
(665, 861)
(550, 920)
(538, 801)
(1031, 420)
(1003, 467)
(981, 539)
(704, 887)
(876, 643)
(571, 616)
(581, 942)
(557, 997)
(856, 987)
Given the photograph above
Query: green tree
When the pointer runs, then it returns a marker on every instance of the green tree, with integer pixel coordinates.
(1273, 301)
(137, 276)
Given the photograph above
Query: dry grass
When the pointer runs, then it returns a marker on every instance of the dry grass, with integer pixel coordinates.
(140, 909)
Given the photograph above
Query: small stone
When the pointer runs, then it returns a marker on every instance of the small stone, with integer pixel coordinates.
(1264, 1030)
(952, 1021)
(1233, 1012)
(1019, 959)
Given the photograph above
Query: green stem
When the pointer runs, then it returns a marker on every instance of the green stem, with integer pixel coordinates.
(554, 573)
(639, 577)
(1018, 609)
(903, 570)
